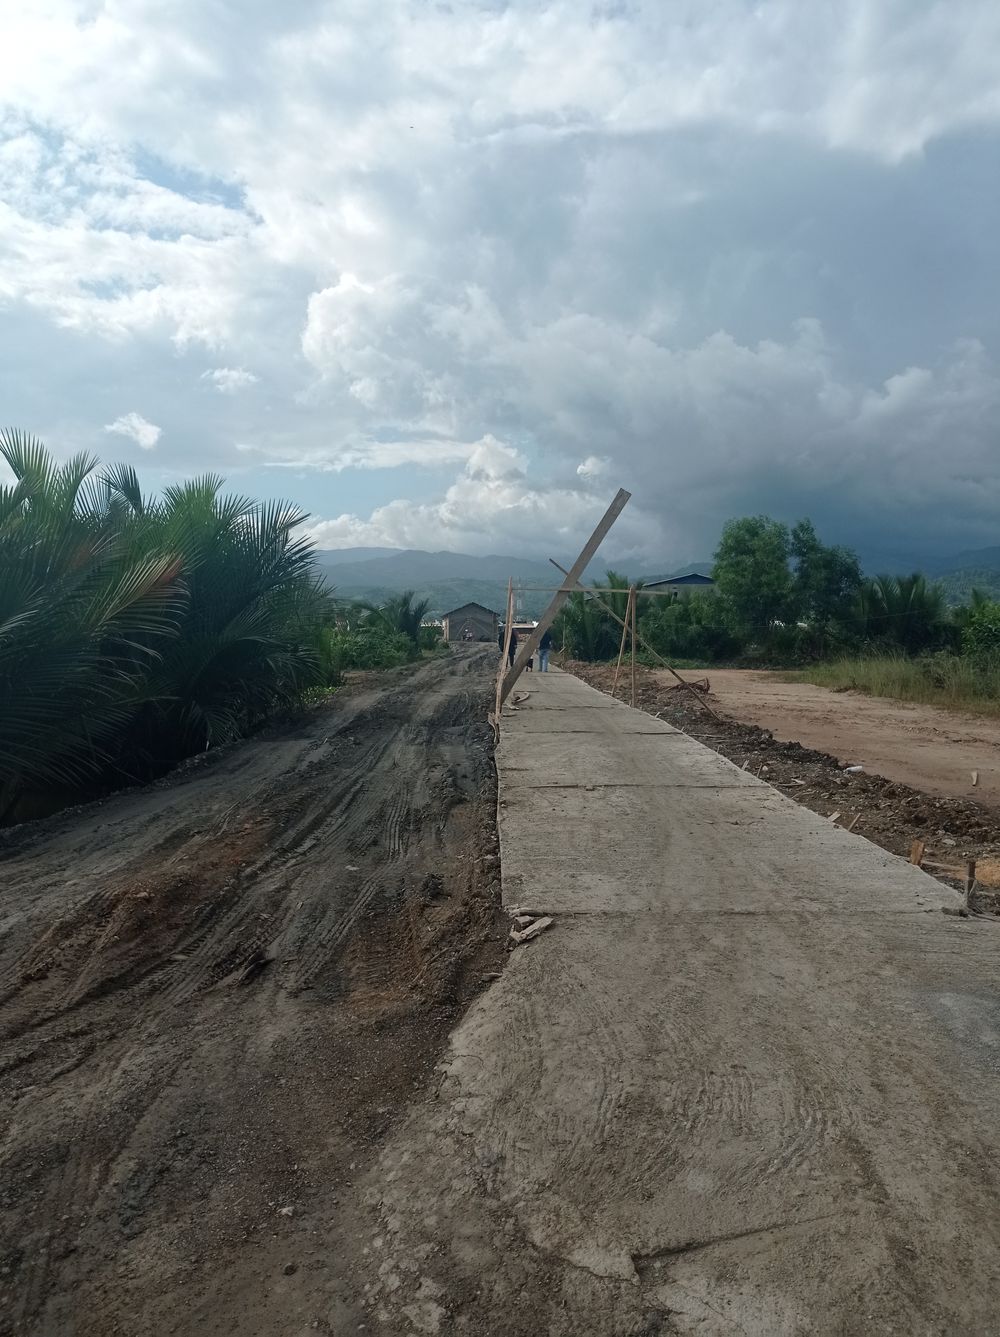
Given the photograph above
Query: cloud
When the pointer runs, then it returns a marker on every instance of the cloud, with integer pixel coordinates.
(593, 467)
(495, 492)
(730, 256)
(228, 380)
(134, 425)
(364, 454)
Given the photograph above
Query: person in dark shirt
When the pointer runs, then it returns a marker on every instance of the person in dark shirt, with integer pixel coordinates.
(544, 650)
(513, 647)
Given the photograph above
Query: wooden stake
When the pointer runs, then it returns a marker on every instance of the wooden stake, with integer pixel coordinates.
(526, 651)
(645, 644)
(917, 852)
(621, 656)
(505, 652)
(631, 600)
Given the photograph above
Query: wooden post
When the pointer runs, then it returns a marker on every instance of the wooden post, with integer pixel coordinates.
(507, 632)
(621, 656)
(526, 651)
(645, 645)
(917, 853)
(632, 602)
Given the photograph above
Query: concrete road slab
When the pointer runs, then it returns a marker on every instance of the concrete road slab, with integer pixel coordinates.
(732, 850)
(573, 756)
(748, 1082)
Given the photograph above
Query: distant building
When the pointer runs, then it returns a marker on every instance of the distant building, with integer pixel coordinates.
(471, 622)
(691, 582)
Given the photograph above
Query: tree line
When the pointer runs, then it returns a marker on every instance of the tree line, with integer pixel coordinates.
(783, 596)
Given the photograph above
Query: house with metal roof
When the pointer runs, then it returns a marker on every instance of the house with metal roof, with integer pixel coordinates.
(470, 622)
(693, 580)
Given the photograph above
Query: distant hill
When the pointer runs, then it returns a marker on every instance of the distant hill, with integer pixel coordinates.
(974, 569)
(447, 579)
(973, 559)
(345, 556)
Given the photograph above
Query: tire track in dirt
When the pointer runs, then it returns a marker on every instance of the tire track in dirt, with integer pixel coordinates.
(116, 996)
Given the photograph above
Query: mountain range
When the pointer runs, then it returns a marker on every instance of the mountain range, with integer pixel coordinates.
(447, 579)
(450, 579)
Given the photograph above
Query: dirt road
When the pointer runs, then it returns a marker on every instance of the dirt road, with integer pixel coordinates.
(927, 748)
(746, 1084)
(215, 997)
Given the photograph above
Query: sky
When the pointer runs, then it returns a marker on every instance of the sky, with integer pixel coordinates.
(448, 274)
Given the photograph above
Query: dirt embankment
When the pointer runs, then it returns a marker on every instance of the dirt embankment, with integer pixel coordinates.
(887, 812)
(215, 996)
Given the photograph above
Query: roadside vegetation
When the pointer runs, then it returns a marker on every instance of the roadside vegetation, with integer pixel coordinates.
(137, 631)
(961, 682)
(784, 599)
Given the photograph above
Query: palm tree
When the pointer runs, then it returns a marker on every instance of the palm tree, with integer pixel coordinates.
(586, 628)
(134, 632)
(83, 612)
(904, 610)
(401, 615)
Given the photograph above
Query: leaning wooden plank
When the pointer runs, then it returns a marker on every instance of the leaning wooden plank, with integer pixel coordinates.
(527, 650)
(525, 935)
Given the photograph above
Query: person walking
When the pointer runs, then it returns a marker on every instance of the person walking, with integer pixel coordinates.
(513, 647)
(544, 650)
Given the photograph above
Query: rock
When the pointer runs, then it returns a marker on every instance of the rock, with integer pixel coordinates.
(290, 1269)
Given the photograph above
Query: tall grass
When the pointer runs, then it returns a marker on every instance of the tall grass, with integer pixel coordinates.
(957, 681)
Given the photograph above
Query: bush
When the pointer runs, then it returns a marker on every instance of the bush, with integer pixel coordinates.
(981, 634)
(368, 646)
(430, 638)
(690, 627)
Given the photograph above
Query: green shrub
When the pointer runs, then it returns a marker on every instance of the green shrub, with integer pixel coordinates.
(981, 634)
(690, 627)
(367, 646)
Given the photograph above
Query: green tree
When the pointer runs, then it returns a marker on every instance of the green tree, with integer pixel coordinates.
(903, 611)
(825, 583)
(752, 575)
(401, 615)
(692, 626)
(586, 629)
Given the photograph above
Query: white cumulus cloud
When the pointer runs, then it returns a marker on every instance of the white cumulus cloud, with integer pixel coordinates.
(134, 425)
(228, 380)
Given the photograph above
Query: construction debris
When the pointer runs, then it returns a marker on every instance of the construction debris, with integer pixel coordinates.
(525, 935)
(697, 684)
